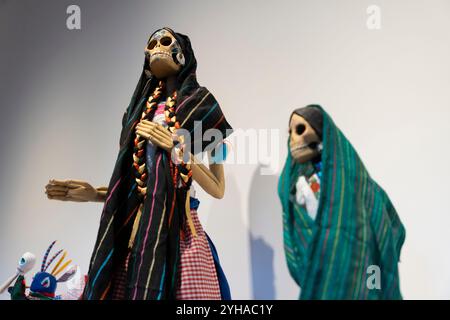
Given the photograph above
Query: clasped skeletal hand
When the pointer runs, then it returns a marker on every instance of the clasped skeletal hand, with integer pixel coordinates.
(155, 133)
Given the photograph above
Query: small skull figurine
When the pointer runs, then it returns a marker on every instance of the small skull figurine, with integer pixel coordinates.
(165, 54)
(304, 141)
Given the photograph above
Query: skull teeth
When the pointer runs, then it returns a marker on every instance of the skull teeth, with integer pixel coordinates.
(161, 53)
(300, 147)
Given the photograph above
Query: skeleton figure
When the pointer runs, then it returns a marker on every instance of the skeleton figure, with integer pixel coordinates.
(338, 223)
(149, 225)
(305, 132)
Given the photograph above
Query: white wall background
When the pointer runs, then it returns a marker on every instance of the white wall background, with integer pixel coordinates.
(62, 95)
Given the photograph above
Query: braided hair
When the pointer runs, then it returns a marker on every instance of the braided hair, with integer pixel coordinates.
(139, 163)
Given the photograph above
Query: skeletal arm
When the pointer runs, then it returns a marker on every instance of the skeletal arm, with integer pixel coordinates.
(75, 190)
(211, 180)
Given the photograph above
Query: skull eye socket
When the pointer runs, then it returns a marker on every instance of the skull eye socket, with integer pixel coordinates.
(151, 44)
(166, 41)
(299, 129)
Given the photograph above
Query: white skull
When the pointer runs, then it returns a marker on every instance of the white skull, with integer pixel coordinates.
(26, 262)
(165, 54)
(304, 143)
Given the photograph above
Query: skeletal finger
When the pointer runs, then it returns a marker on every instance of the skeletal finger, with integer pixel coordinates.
(146, 125)
(143, 134)
(57, 198)
(161, 138)
(149, 123)
(164, 131)
(67, 183)
(58, 182)
(56, 188)
(57, 193)
(144, 128)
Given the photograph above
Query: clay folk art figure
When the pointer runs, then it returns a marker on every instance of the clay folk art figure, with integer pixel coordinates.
(44, 284)
(150, 243)
(342, 235)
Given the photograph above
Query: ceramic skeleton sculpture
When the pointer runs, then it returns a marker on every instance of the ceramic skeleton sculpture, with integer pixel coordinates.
(305, 146)
(44, 284)
(339, 224)
(149, 230)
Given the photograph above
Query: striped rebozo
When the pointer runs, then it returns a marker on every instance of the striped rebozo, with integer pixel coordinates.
(356, 231)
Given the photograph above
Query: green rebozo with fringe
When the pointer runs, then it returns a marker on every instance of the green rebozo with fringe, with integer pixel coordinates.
(356, 227)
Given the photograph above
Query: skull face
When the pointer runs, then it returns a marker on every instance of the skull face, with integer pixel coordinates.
(26, 262)
(165, 54)
(303, 142)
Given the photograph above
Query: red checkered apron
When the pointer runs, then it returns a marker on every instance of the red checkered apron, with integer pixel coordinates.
(120, 281)
(197, 276)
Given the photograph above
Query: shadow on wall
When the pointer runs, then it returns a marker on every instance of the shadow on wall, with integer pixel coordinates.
(228, 233)
(262, 265)
(264, 233)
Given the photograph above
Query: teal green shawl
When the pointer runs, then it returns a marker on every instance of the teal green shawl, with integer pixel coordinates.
(356, 227)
